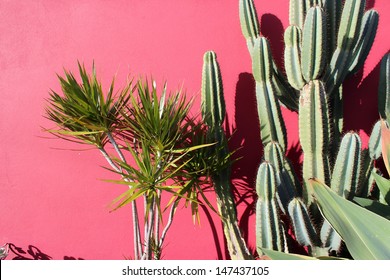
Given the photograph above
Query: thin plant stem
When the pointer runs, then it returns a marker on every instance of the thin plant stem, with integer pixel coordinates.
(169, 223)
(109, 160)
(146, 225)
(136, 231)
(116, 147)
(136, 227)
(157, 221)
(148, 237)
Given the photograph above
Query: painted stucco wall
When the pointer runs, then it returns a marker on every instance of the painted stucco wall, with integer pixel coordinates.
(51, 192)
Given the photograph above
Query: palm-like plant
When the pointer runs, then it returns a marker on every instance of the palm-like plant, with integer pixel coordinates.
(168, 150)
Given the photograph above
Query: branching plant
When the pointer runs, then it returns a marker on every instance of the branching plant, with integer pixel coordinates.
(156, 145)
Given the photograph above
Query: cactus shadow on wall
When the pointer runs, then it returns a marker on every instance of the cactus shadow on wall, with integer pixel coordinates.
(361, 101)
(246, 140)
(272, 29)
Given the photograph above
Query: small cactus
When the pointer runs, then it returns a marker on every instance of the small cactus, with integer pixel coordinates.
(269, 230)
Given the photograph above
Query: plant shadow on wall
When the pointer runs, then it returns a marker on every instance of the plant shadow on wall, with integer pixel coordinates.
(31, 253)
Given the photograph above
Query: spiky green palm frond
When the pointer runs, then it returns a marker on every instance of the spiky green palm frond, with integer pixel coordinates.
(83, 113)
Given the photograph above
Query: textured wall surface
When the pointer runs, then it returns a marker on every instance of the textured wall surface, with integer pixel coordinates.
(51, 192)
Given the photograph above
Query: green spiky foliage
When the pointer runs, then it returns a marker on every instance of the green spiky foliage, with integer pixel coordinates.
(84, 113)
(161, 151)
(325, 43)
(213, 113)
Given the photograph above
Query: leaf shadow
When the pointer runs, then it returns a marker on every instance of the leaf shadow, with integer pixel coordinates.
(32, 253)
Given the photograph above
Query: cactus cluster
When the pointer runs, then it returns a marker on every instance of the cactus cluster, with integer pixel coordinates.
(326, 41)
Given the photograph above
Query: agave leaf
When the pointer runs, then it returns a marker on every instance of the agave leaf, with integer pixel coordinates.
(276, 255)
(366, 234)
(385, 131)
(384, 187)
(374, 206)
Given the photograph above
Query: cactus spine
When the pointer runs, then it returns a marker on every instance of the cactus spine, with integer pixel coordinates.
(213, 112)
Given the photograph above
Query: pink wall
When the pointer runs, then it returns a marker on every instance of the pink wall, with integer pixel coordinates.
(52, 198)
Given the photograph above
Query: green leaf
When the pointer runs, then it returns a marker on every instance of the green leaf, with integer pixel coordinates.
(384, 187)
(385, 132)
(366, 235)
(374, 206)
(276, 255)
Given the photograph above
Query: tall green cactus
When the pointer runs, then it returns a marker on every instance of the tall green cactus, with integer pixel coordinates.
(324, 43)
(213, 112)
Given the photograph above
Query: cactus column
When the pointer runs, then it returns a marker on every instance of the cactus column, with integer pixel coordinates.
(213, 112)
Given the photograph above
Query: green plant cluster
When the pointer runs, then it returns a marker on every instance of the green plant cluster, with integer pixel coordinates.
(149, 138)
(340, 208)
(326, 42)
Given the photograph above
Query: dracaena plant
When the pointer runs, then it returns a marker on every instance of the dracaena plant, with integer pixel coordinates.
(160, 150)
